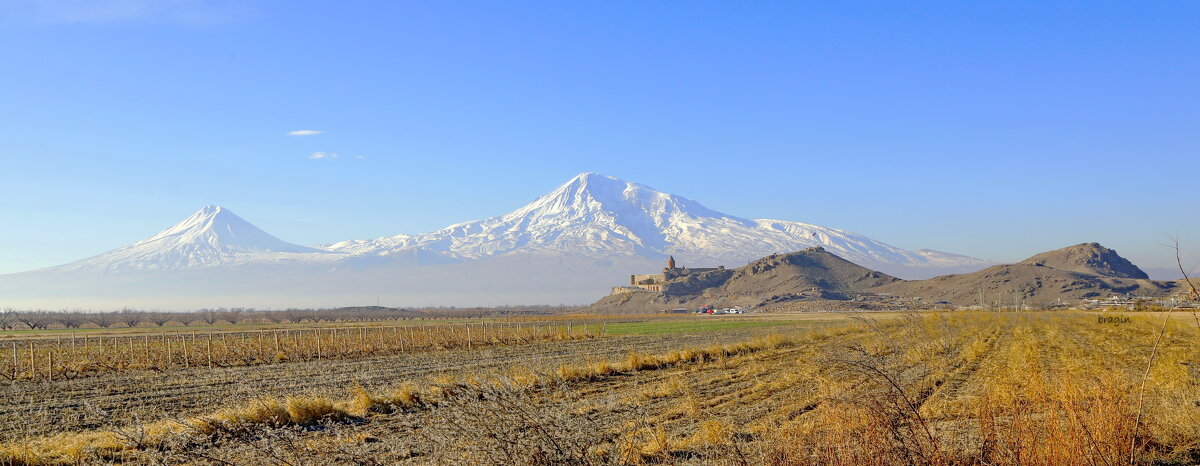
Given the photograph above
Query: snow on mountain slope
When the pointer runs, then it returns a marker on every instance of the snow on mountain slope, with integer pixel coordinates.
(212, 236)
(601, 216)
(591, 216)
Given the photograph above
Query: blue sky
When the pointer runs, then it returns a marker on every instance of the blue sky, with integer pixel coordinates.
(996, 130)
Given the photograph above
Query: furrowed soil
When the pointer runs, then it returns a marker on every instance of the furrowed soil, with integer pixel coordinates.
(45, 407)
(930, 388)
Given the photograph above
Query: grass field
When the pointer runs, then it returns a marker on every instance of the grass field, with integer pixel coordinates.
(935, 388)
(695, 324)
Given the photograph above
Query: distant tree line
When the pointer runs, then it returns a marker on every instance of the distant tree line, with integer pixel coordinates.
(12, 319)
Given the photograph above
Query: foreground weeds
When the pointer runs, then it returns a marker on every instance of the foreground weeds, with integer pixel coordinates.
(999, 389)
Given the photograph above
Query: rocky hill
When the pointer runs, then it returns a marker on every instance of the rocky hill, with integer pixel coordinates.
(1090, 259)
(813, 273)
(1065, 275)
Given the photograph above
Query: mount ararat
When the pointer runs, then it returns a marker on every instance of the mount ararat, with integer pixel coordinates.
(567, 246)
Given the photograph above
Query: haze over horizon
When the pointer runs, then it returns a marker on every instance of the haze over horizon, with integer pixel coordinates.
(993, 132)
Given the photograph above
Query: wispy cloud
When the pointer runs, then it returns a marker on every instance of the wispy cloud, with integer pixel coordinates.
(323, 155)
(304, 132)
(193, 12)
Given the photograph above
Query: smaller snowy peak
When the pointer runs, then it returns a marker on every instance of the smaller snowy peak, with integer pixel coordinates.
(210, 237)
(220, 228)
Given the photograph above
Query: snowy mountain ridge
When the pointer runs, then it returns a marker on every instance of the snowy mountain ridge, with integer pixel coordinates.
(568, 246)
(597, 215)
(590, 216)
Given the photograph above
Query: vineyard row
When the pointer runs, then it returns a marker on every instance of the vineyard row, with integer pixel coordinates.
(74, 356)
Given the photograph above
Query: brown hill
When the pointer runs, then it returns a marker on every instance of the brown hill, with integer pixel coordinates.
(809, 274)
(1088, 258)
(812, 268)
(1077, 272)
(814, 275)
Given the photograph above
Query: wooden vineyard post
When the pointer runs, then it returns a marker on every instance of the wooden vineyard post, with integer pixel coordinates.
(16, 362)
(32, 363)
(276, 334)
(187, 362)
(50, 364)
(210, 360)
(168, 340)
(568, 330)
(318, 332)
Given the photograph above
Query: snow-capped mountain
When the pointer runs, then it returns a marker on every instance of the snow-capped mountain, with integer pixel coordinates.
(211, 237)
(601, 216)
(568, 246)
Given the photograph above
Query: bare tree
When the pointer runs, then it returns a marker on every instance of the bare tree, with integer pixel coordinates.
(71, 319)
(35, 319)
(158, 318)
(209, 317)
(1195, 295)
(294, 316)
(131, 317)
(104, 319)
(8, 319)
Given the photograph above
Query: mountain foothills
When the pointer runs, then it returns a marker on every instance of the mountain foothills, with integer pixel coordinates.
(564, 247)
(816, 277)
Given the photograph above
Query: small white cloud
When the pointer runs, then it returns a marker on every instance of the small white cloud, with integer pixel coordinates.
(359, 157)
(323, 155)
(304, 132)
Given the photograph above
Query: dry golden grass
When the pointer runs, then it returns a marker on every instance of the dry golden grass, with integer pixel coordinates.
(1002, 389)
(947, 388)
